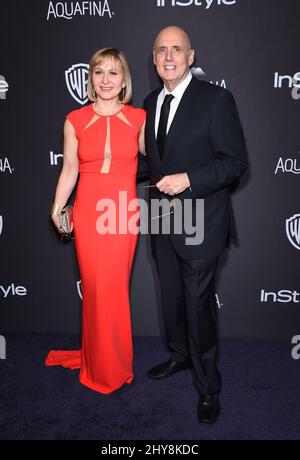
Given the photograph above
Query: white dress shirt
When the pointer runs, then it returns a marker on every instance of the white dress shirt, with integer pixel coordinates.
(177, 93)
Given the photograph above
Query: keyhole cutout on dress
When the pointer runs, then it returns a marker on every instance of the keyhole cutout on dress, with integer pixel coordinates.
(107, 149)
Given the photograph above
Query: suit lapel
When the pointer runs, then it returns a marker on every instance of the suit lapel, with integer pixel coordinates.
(181, 115)
(151, 111)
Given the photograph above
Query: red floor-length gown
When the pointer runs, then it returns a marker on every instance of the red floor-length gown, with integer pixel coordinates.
(107, 152)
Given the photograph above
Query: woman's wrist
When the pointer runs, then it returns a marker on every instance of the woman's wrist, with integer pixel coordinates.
(55, 209)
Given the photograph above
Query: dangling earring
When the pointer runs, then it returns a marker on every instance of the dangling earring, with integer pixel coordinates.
(122, 94)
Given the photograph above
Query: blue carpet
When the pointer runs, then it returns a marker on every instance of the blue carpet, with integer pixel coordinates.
(260, 397)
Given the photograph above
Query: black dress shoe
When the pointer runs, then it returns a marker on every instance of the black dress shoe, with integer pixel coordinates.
(168, 368)
(208, 409)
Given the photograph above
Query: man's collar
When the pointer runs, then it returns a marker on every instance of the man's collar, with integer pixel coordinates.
(180, 89)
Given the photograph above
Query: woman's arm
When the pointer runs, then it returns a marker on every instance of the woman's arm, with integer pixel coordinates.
(142, 139)
(68, 175)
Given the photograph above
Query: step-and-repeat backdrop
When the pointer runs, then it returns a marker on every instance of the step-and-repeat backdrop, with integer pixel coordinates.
(248, 46)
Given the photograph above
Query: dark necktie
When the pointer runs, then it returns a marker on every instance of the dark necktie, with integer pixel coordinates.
(163, 122)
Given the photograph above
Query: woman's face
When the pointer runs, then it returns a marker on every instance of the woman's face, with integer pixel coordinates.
(108, 79)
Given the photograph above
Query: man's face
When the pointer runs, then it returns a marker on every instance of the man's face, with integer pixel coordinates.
(172, 56)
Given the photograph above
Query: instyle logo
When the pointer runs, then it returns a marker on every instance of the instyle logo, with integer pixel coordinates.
(68, 10)
(288, 165)
(205, 3)
(5, 166)
(289, 81)
(292, 227)
(12, 290)
(282, 296)
(281, 81)
(3, 87)
(76, 80)
(54, 158)
(1, 224)
(296, 349)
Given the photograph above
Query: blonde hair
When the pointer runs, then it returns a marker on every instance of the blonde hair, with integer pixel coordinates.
(118, 55)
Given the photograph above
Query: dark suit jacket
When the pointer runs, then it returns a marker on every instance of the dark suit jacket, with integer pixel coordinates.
(206, 141)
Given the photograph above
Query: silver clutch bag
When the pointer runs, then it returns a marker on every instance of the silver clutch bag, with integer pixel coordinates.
(66, 220)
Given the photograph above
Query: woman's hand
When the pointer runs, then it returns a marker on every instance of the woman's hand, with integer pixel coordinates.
(55, 211)
(55, 220)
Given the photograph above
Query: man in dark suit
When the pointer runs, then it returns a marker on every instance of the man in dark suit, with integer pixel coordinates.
(195, 150)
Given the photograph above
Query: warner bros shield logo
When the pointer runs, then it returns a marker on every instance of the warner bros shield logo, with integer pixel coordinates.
(76, 80)
(293, 230)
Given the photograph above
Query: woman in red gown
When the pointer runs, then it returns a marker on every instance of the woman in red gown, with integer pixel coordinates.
(102, 141)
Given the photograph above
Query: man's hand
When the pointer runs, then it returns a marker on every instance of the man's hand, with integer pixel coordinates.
(174, 184)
